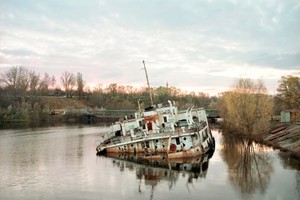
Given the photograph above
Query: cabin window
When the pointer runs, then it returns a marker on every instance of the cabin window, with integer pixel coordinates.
(147, 144)
(177, 141)
(149, 126)
(195, 119)
(165, 119)
(118, 133)
(182, 123)
(142, 124)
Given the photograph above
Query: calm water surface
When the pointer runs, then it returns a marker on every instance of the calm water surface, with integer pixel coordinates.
(61, 163)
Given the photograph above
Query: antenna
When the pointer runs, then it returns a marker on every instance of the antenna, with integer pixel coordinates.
(148, 83)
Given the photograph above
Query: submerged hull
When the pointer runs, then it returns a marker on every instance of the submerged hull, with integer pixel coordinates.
(182, 145)
(152, 172)
(181, 164)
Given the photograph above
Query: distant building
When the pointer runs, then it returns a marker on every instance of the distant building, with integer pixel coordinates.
(290, 116)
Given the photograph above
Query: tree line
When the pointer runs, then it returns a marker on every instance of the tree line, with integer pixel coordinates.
(246, 105)
(19, 81)
(22, 91)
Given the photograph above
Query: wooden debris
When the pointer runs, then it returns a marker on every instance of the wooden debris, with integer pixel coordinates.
(280, 128)
(285, 137)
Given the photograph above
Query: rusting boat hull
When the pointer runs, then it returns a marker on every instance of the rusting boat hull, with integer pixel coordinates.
(181, 146)
(178, 134)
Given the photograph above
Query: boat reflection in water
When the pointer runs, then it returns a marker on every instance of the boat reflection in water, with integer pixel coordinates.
(153, 171)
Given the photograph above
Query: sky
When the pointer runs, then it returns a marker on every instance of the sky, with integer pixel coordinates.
(193, 45)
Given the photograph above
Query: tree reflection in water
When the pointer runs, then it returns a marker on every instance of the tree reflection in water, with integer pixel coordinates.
(250, 168)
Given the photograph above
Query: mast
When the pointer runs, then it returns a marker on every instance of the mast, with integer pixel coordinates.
(150, 93)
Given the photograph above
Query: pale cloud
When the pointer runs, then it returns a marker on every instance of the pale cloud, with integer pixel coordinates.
(203, 45)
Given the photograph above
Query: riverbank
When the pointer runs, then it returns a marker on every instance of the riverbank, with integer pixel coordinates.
(282, 136)
(285, 137)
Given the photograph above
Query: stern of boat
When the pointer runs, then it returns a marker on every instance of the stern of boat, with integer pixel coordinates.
(101, 150)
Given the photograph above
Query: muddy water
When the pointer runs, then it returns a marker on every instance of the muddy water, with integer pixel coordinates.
(60, 163)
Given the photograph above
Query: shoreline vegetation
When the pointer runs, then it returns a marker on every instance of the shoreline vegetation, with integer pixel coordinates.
(34, 99)
(286, 140)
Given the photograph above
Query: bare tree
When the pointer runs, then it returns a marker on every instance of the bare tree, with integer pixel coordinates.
(16, 80)
(80, 85)
(9, 79)
(46, 82)
(23, 82)
(68, 81)
(34, 80)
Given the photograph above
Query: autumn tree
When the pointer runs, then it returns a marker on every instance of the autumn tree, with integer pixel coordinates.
(246, 108)
(68, 82)
(80, 85)
(289, 92)
(161, 94)
(98, 88)
(112, 88)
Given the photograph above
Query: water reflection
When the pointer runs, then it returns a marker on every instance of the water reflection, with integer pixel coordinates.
(289, 162)
(298, 183)
(249, 167)
(152, 172)
(60, 163)
(41, 158)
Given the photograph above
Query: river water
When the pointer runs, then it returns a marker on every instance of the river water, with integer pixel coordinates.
(61, 163)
